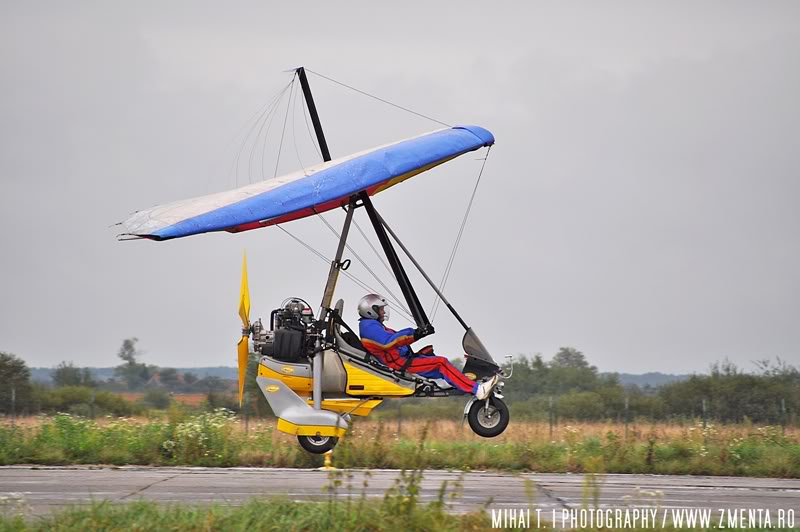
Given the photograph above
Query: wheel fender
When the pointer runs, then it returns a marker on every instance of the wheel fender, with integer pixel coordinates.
(469, 405)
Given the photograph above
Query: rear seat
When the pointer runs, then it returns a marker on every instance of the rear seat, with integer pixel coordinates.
(350, 344)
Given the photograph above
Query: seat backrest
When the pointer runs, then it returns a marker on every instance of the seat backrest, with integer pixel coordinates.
(350, 344)
(343, 336)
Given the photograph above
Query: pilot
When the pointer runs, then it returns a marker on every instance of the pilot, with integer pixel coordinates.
(392, 349)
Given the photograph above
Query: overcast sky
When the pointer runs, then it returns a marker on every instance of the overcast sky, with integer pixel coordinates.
(641, 202)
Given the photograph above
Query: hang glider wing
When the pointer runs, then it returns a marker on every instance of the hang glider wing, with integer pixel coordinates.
(314, 190)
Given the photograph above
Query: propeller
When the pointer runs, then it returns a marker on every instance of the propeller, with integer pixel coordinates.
(243, 347)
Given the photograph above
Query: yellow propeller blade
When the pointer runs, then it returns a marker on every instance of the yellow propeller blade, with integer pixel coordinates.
(244, 355)
(244, 296)
(243, 348)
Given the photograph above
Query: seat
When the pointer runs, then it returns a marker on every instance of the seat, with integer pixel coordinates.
(351, 345)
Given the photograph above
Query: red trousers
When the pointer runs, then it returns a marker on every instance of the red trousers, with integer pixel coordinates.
(433, 367)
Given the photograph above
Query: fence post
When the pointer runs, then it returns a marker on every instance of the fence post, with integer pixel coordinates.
(783, 416)
(13, 404)
(626, 417)
(550, 416)
(399, 418)
(704, 413)
(246, 417)
(91, 405)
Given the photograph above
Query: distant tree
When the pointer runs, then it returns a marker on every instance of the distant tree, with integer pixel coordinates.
(779, 368)
(66, 374)
(157, 398)
(731, 395)
(128, 351)
(135, 374)
(190, 378)
(226, 400)
(569, 357)
(213, 384)
(14, 375)
(531, 377)
(581, 405)
(168, 377)
(571, 372)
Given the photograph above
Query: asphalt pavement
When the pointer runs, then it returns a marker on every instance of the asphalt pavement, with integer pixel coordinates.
(44, 489)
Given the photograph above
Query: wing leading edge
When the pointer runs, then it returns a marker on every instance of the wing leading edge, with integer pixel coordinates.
(297, 195)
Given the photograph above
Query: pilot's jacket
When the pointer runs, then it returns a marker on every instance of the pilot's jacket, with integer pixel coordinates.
(389, 346)
(392, 348)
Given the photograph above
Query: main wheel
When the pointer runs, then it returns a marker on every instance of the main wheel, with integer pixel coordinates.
(317, 444)
(488, 421)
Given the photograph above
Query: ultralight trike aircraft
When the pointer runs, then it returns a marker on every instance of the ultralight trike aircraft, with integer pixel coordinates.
(314, 372)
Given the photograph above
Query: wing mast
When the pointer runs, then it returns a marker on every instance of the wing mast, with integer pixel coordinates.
(409, 294)
(471, 342)
(312, 110)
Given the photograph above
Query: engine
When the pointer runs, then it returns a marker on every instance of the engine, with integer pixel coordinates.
(292, 333)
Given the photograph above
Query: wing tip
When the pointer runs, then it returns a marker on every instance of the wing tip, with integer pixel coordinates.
(483, 134)
(124, 237)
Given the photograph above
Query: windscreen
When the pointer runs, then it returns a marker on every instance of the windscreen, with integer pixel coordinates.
(475, 348)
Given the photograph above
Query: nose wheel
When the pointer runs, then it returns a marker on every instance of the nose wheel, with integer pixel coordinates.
(317, 444)
(488, 418)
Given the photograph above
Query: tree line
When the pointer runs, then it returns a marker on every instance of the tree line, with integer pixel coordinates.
(76, 390)
(569, 387)
(565, 387)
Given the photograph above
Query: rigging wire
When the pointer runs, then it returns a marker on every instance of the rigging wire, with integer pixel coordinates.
(280, 147)
(369, 243)
(273, 114)
(268, 118)
(356, 255)
(304, 244)
(261, 115)
(449, 266)
(380, 99)
(256, 118)
(352, 277)
(294, 135)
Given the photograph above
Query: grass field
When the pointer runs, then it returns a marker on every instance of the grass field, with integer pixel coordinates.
(188, 399)
(219, 439)
(359, 515)
(399, 509)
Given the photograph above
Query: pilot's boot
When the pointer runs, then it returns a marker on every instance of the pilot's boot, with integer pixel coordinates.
(485, 387)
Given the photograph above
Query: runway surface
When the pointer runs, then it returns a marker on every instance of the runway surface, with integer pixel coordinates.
(44, 489)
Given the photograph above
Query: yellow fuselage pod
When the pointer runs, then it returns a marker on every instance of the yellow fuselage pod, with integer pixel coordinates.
(362, 383)
(356, 407)
(309, 430)
(300, 385)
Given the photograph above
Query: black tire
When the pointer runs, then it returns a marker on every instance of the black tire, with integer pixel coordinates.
(317, 444)
(488, 424)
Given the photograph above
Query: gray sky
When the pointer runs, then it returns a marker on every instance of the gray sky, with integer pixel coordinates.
(640, 203)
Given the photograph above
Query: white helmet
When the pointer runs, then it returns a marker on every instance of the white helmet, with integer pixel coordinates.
(370, 304)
